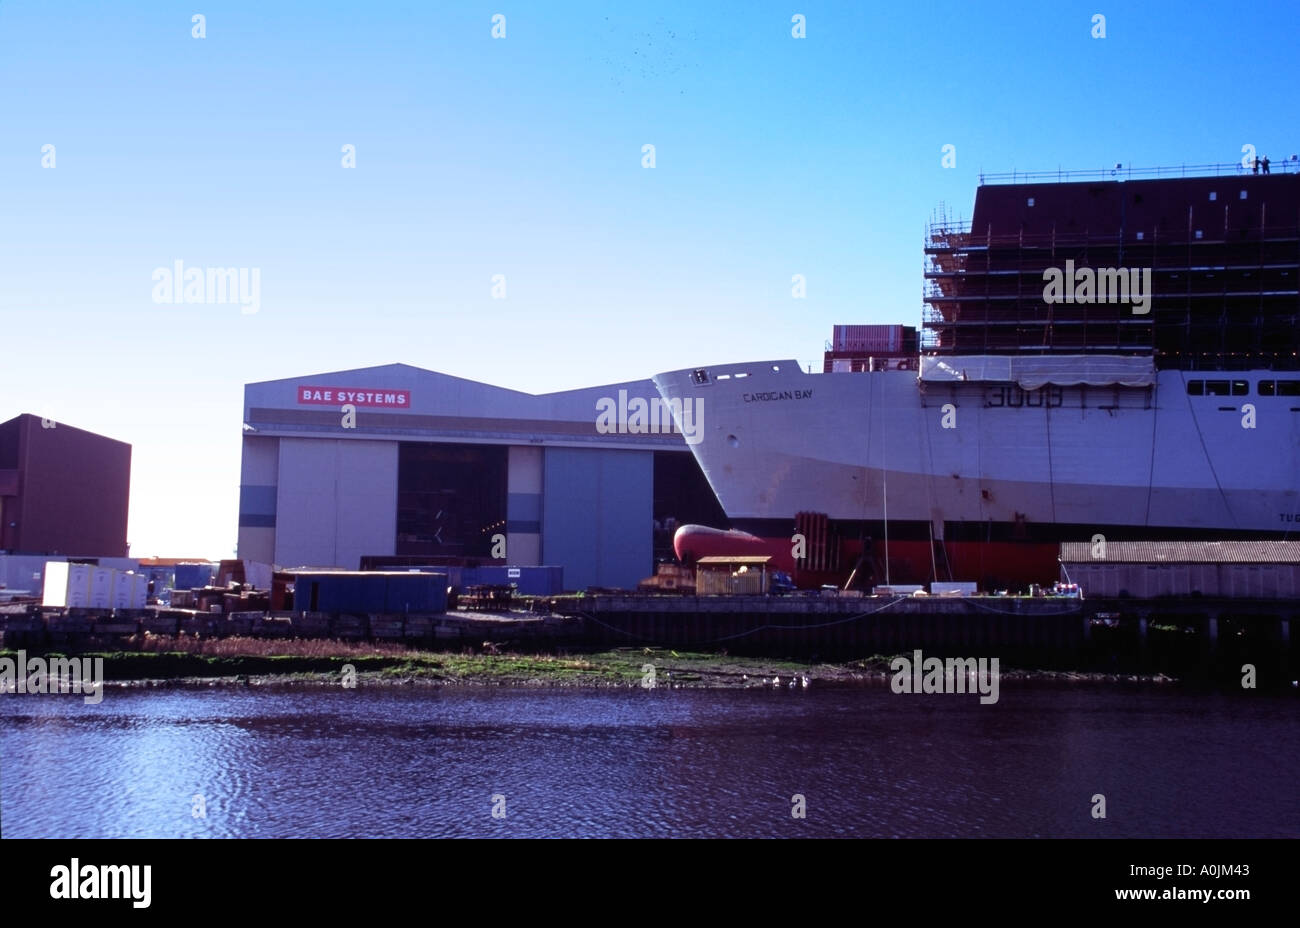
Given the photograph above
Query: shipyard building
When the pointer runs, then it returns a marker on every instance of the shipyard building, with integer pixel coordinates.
(63, 491)
(403, 466)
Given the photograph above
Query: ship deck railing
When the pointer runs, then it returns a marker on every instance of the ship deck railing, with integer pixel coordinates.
(953, 240)
(1240, 168)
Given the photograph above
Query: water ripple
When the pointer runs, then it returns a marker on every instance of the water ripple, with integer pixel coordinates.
(398, 762)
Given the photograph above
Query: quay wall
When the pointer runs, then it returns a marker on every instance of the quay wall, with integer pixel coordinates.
(1177, 636)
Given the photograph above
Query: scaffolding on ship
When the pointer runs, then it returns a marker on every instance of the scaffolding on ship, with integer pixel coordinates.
(1224, 290)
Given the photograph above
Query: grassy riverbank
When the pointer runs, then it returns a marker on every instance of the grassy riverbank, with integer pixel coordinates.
(260, 661)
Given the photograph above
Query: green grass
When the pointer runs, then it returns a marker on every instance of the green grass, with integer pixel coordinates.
(321, 662)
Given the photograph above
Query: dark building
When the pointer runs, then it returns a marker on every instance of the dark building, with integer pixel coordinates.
(62, 490)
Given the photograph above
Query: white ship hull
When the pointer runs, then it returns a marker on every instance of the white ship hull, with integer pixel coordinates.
(888, 446)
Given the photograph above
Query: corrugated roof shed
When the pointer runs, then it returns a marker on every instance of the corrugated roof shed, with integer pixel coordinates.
(1184, 552)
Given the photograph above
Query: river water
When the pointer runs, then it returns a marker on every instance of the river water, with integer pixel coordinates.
(427, 762)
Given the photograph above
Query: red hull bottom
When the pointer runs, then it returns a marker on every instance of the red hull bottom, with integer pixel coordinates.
(993, 565)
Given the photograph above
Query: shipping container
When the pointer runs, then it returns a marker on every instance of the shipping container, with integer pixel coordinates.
(67, 584)
(898, 589)
(376, 592)
(24, 572)
(460, 577)
(130, 591)
(416, 593)
(530, 581)
(194, 576)
(254, 573)
(952, 588)
(87, 586)
(883, 339)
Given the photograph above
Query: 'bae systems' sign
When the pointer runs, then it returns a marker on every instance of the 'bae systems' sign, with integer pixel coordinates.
(356, 396)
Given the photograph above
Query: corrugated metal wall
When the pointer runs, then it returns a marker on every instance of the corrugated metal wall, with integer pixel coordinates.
(336, 500)
(258, 478)
(524, 506)
(598, 516)
(1146, 581)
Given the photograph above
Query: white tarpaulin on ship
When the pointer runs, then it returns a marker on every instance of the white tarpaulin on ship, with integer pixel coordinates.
(1032, 372)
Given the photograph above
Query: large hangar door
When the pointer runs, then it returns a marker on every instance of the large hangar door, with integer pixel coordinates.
(334, 501)
(598, 516)
(451, 499)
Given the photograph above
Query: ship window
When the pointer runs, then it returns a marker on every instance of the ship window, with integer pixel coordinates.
(1030, 201)
(1243, 194)
(1213, 196)
(1216, 388)
(1267, 388)
(1198, 233)
(1196, 388)
(1140, 236)
(1240, 387)
(1288, 388)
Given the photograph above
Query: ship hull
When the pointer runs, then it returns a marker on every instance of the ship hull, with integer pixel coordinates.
(983, 463)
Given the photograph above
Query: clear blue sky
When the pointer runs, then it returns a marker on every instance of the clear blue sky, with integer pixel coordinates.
(522, 156)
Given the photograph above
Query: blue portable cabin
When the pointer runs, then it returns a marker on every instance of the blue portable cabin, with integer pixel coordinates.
(193, 576)
(391, 592)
